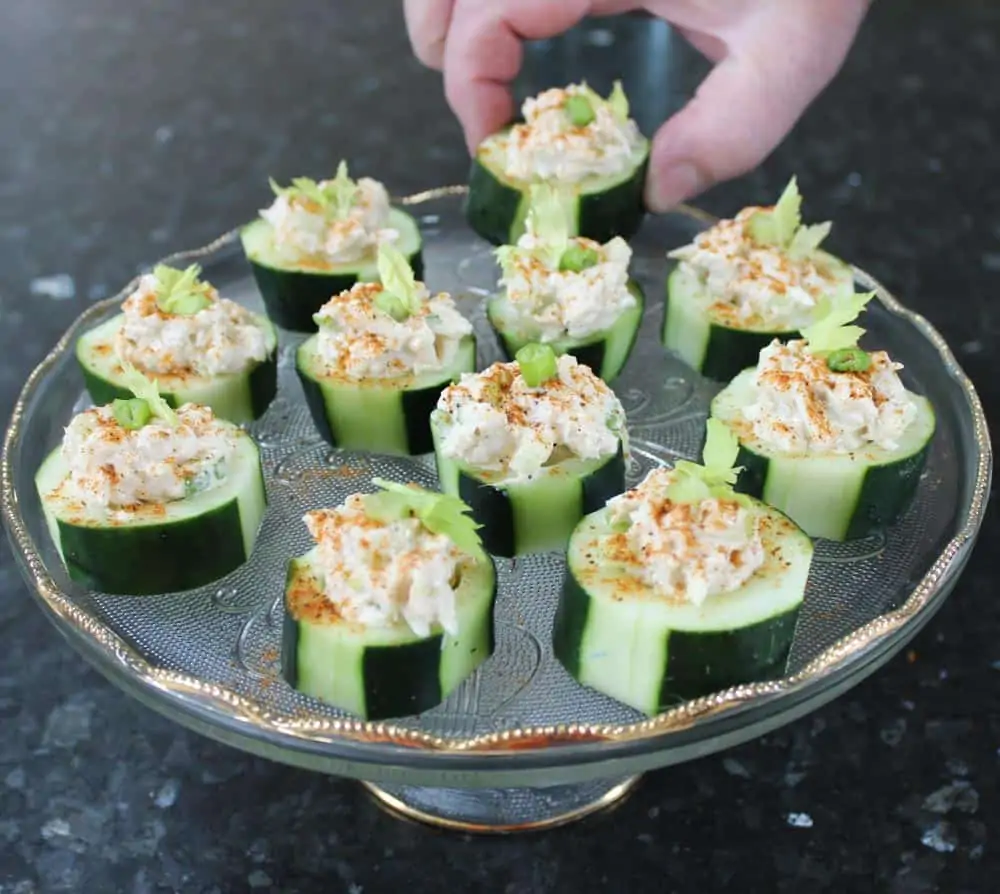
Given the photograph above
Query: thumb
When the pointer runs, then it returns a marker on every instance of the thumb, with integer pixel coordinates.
(747, 104)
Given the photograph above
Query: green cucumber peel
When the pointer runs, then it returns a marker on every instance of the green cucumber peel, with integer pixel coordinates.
(439, 513)
(180, 292)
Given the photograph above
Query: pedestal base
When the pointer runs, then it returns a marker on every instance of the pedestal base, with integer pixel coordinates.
(500, 811)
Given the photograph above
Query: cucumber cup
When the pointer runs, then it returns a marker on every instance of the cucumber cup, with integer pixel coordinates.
(620, 632)
(294, 285)
(382, 668)
(534, 511)
(389, 412)
(777, 254)
(599, 205)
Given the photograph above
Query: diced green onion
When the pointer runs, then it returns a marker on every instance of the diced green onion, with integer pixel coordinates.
(392, 305)
(131, 413)
(579, 110)
(537, 364)
(848, 360)
(576, 258)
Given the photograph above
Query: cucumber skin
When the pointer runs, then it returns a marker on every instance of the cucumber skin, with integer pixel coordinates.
(152, 559)
(491, 207)
(491, 506)
(416, 407)
(406, 677)
(616, 212)
(263, 388)
(590, 353)
(885, 494)
(697, 663)
(729, 351)
(292, 297)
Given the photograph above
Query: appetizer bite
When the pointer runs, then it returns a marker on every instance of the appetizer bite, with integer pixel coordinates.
(202, 349)
(828, 433)
(141, 498)
(568, 292)
(575, 140)
(681, 587)
(393, 607)
(385, 350)
(531, 446)
(744, 282)
(318, 239)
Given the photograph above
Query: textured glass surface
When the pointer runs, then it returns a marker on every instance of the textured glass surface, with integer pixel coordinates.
(228, 634)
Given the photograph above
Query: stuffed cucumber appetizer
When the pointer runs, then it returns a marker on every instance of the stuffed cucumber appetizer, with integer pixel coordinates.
(681, 587)
(202, 349)
(384, 352)
(568, 292)
(531, 446)
(584, 145)
(319, 238)
(141, 498)
(393, 606)
(828, 432)
(745, 282)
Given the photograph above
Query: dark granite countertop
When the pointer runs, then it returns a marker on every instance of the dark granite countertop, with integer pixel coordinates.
(131, 128)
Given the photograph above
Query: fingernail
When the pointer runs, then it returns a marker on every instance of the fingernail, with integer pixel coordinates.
(673, 185)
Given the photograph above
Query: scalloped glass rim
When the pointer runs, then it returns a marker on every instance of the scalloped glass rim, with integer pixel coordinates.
(515, 756)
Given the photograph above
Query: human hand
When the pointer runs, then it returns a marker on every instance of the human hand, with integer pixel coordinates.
(772, 57)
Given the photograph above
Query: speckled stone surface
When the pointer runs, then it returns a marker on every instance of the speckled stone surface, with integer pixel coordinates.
(131, 128)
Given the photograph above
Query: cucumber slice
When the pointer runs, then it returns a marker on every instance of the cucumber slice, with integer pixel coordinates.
(381, 415)
(293, 293)
(537, 515)
(159, 548)
(237, 397)
(717, 350)
(601, 207)
(613, 634)
(378, 673)
(836, 496)
(604, 352)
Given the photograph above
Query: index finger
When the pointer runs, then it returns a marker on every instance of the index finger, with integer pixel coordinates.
(483, 55)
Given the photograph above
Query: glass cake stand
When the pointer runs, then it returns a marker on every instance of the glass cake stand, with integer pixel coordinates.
(519, 745)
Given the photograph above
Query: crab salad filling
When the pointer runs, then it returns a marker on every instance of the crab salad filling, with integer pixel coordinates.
(370, 332)
(379, 572)
(497, 423)
(571, 134)
(174, 324)
(330, 222)
(684, 551)
(803, 406)
(763, 269)
(119, 463)
(579, 293)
